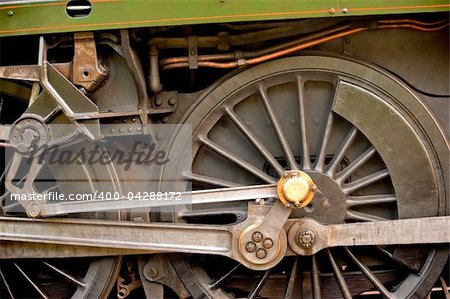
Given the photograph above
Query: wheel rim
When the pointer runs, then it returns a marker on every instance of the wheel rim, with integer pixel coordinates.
(249, 128)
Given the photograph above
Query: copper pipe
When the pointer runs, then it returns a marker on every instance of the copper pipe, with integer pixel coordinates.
(251, 54)
(303, 46)
(5, 144)
(205, 60)
(266, 57)
(172, 60)
(397, 26)
(414, 22)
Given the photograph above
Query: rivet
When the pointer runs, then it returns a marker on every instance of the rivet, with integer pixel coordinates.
(130, 129)
(344, 10)
(332, 10)
(10, 13)
(158, 102)
(120, 130)
(133, 119)
(165, 119)
(172, 101)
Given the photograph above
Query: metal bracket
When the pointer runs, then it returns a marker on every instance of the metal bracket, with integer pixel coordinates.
(193, 52)
(87, 72)
(135, 68)
(159, 269)
(165, 102)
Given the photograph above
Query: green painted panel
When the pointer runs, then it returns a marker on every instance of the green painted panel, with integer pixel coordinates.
(39, 17)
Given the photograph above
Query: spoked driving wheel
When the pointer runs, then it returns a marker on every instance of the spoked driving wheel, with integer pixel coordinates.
(64, 277)
(371, 148)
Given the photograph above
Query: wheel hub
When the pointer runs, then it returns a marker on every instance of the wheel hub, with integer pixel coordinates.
(295, 188)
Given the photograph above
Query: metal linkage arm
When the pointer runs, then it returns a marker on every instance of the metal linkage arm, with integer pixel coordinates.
(150, 237)
(174, 198)
(428, 230)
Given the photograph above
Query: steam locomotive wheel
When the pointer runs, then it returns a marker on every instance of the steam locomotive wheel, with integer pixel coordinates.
(370, 146)
(58, 277)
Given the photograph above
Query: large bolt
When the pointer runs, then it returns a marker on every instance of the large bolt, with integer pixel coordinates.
(268, 243)
(257, 237)
(261, 253)
(306, 238)
(172, 101)
(33, 211)
(250, 247)
(152, 272)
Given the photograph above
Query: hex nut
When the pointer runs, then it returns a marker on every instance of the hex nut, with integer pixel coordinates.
(306, 238)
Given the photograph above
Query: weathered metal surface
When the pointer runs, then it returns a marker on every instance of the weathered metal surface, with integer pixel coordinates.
(352, 103)
(175, 198)
(86, 70)
(20, 72)
(220, 240)
(37, 17)
(428, 230)
(120, 235)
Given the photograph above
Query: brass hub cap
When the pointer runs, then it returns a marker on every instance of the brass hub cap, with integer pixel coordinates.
(295, 189)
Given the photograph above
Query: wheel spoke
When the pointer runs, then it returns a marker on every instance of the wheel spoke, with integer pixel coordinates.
(5, 170)
(353, 201)
(396, 260)
(236, 160)
(259, 285)
(224, 277)
(372, 278)
(355, 164)
(444, 287)
(35, 286)
(339, 277)
(339, 155)
(3, 196)
(6, 285)
(306, 160)
(255, 141)
(278, 129)
(8, 208)
(361, 216)
(66, 275)
(364, 181)
(292, 278)
(320, 161)
(315, 278)
(209, 180)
